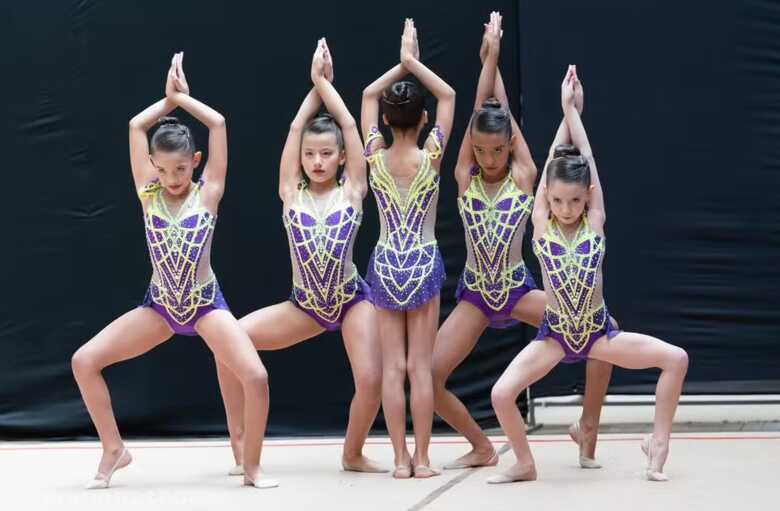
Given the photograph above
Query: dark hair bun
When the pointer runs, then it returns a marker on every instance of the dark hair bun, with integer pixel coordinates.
(403, 103)
(399, 93)
(492, 102)
(565, 150)
(163, 121)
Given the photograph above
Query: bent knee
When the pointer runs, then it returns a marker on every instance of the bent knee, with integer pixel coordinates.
(678, 359)
(82, 362)
(502, 396)
(255, 377)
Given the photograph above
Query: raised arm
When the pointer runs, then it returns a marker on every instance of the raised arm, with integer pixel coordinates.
(445, 95)
(355, 167)
(562, 135)
(369, 108)
(216, 167)
(140, 164)
(290, 164)
(596, 211)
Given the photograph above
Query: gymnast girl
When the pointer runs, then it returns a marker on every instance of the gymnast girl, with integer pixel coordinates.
(183, 296)
(495, 173)
(568, 239)
(406, 270)
(321, 213)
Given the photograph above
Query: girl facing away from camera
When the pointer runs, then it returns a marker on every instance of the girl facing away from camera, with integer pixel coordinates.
(406, 270)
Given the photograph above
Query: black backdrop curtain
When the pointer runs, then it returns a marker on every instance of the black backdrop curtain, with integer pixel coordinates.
(681, 107)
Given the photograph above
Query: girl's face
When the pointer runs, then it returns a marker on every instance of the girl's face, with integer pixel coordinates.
(321, 157)
(567, 201)
(175, 169)
(491, 150)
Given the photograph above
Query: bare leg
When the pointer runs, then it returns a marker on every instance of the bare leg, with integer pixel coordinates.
(455, 340)
(422, 324)
(128, 336)
(531, 364)
(585, 431)
(270, 328)
(638, 351)
(392, 337)
(233, 399)
(232, 346)
(530, 310)
(365, 357)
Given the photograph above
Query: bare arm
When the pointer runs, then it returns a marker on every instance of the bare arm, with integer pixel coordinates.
(445, 95)
(143, 170)
(596, 210)
(355, 167)
(290, 164)
(369, 109)
(216, 167)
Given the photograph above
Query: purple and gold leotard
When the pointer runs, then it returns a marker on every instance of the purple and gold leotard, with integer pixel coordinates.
(326, 283)
(576, 315)
(495, 277)
(183, 287)
(406, 269)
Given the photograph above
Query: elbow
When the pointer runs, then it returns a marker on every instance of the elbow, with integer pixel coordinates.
(218, 122)
(135, 124)
(448, 95)
(348, 123)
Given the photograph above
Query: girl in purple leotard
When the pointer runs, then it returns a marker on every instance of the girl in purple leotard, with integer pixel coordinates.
(569, 241)
(322, 216)
(406, 270)
(183, 295)
(495, 175)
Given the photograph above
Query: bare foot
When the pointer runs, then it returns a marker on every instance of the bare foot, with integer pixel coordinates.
(361, 464)
(110, 462)
(482, 457)
(517, 472)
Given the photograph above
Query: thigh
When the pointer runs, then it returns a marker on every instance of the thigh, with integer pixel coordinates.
(279, 326)
(531, 364)
(632, 351)
(421, 324)
(361, 339)
(457, 337)
(391, 329)
(229, 343)
(530, 308)
(130, 335)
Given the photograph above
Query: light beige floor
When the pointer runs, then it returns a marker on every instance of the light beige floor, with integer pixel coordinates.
(709, 471)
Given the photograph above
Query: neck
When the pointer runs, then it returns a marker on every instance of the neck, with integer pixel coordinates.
(495, 178)
(570, 229)
(405, 137)
(322, 188)
(176, 198)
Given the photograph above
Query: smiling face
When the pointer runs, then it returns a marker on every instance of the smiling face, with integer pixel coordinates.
(567, 200)
(492, 151)
(174, 169)
(321, 156)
